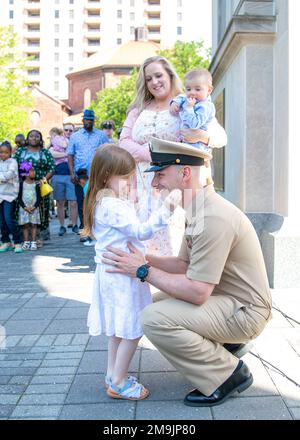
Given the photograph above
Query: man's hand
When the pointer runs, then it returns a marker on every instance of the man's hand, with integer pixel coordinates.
(192, 135)
(27, 210)
(74, 179)
(124, 262)
(174, 109)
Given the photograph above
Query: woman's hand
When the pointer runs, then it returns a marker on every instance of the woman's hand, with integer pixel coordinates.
(192, 136)
(124, 262)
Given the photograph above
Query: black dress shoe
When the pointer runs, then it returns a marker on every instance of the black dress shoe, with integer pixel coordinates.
(240, 380)
(238, 350)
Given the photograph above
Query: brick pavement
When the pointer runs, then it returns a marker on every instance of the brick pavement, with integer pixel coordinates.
(51, 369)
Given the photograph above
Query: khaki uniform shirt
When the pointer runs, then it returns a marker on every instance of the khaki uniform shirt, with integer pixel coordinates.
(221, 247)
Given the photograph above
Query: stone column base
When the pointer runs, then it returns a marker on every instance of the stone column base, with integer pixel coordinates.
(280, 242)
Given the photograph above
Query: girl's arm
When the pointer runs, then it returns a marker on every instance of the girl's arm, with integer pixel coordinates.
(20, 196)
(50, 165)
(139, 152)
(116, 216)
(58, 154)
(11, 173)
(38, 196)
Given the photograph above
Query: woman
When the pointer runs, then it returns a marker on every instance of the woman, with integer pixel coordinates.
(149, 115)
(43, 163)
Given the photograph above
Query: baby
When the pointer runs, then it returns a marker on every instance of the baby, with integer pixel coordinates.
(195, 109)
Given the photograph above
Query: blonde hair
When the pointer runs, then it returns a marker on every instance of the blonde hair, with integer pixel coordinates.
(143, 96)
(55, 131)
(110, 160)
(196, 73)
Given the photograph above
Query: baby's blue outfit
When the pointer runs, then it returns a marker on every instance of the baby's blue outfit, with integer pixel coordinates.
(198, 116)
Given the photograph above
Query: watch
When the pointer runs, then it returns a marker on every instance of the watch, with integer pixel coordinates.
(142, 272)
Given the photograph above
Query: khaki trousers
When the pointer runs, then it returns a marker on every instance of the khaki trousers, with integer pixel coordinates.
(191, 337)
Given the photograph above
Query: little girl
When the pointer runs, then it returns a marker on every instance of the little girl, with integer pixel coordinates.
(29, 200)
(117, 300)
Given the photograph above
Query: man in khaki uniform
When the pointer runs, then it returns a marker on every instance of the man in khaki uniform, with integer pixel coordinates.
(216, 291)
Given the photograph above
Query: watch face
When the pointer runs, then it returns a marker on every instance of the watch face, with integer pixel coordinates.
(142, 272)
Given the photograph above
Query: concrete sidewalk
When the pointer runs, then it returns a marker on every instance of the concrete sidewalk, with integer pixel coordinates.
(51, 369)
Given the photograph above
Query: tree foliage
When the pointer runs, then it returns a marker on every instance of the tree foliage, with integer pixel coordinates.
(187, 56)
(14, 93)
(112, 103)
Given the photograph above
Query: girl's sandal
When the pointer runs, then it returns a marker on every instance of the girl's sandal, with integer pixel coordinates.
(108, 380)
(130, 391)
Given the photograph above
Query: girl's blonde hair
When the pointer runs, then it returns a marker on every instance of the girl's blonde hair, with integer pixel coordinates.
(56, 131)
(143, 96)
(110, 160)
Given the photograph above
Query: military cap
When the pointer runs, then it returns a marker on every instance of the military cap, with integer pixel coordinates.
(167, 153)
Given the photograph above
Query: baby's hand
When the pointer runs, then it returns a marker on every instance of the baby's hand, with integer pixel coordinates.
(174, 109)
(191, 102)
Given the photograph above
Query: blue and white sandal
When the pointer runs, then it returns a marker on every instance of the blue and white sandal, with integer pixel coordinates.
(130, 391)
(108, 380)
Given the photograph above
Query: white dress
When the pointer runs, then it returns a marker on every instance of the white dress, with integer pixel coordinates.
(164, 126)
(118, 299)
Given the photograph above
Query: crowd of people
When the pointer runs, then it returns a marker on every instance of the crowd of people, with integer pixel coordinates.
(24, 167)
(214, 296)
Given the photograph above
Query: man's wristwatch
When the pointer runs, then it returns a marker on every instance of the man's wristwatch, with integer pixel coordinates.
(142, 272)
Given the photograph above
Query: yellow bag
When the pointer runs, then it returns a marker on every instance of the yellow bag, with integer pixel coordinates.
(45, 188)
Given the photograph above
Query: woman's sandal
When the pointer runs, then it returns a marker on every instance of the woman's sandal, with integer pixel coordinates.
(130, 391)
(108, 380)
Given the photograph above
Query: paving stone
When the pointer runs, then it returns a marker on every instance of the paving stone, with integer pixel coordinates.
(42, 399)
(57, 388)
(60, 363)
(32, 363)
(28, 340)
(6, 410)
(147, 410)
(165, 386)
(6, 313)
(4, 379)
(99, 411)
(63, 339)
(61, 355)
(80, 339)
(12, 341)
(46, 313)
(12, 389)
(27, 327)
(295, 413)
(7, 399)
(17, 371)
(56, 370)
(20, 380)
(95, 362)
(97, 343)
(67, 378)
(60, 326)
(8, 363)
(252, 408)
(71, 304)
(47, 301)
(87, 388)
(72, 313)
(154, 361)
(288, 391)
(28, 411)
(46, 340)
(67, 349)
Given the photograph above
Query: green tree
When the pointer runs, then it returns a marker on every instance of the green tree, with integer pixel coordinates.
(112, 103)
(187, 56)
(14, 93)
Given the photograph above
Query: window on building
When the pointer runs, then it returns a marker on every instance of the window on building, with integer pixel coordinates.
(132, 30)
(119, 13)
(56, 71)
(119, 27)
(94, 42)
(56, 56)
(132, 3)
(71, 28)
(11, 14)
(179, 30)
(179, 3)
(57, 2)
(71, 42)
(56, 13)
(35, 117)
(132, 16)
(119, 2)
(71, 13)
(56, 42)
(87, 98)
(56, 86)
(71, 57)
(179, 16)
(56, 28)
(119, 40)
(11, 2)
(71, 2)
(70, 69)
